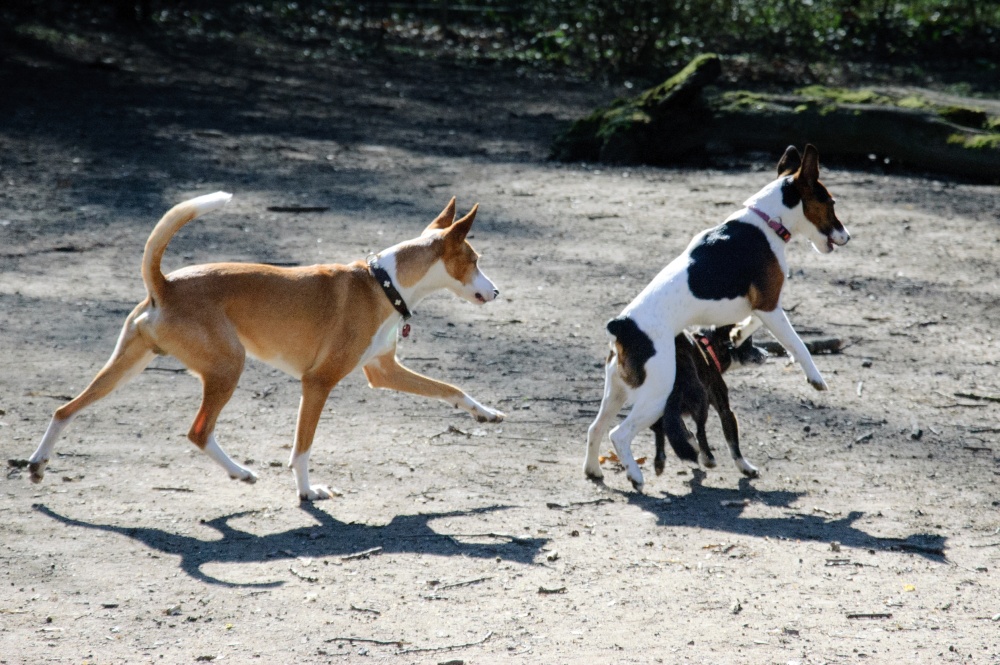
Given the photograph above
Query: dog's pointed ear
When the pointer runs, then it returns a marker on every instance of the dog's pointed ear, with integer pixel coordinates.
(789, 162)
(461, 228)
(809, 171)
(445, 219)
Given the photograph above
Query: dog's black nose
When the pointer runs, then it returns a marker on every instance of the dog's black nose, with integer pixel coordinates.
(496, 292)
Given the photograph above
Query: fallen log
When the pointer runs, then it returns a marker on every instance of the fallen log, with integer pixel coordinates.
(686, 117)
(817, 345)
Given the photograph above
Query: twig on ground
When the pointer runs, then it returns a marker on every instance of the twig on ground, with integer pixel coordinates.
(977, 396)
(364, 609)
(302, 576)
(574, 400)
(172, 489)
(455, 585)
(818, 345)
(505, 536)
(449, 647)
(572, 504)
(978, 449)
(297, 208)
(38, 393)
(366, 640)
(451, 430)
(364, 554)
(870, 615)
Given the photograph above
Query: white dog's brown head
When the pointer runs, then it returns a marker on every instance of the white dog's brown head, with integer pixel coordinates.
(805, 187)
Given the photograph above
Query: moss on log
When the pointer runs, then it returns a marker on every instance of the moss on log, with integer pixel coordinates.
(684, 116)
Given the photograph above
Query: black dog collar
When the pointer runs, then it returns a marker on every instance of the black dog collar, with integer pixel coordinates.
(383, 279)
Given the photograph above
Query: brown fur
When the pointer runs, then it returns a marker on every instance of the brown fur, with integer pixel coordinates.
(315, 322)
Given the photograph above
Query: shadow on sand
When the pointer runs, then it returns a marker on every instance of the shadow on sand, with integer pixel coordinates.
(721, 509)
(404, 534)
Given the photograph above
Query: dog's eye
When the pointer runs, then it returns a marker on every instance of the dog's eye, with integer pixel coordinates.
(821, 194)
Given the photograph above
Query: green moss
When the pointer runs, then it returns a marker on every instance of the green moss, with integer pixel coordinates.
(743, 100)
(706, 64)
(622, 119)
(975, 141)
(912, 102)
(843, 95)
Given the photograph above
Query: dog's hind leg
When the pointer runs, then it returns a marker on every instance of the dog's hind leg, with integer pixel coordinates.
(615, 394)
(700, 415)
(671, 427)
(661, 369)
(731, 430)
(219, 366)
(131, 355)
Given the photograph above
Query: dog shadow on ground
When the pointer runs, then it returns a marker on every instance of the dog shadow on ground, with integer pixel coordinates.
(722, 509)
(410, 534)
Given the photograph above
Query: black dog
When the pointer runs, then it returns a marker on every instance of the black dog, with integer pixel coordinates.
(702, 357)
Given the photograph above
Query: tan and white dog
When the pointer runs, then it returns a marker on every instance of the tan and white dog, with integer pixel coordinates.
(732, 272)
(318, 323)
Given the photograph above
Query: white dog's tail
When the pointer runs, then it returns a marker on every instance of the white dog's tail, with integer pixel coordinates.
(169, 224)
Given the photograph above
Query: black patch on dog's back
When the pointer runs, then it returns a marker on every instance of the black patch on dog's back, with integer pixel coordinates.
(729, 260)
(634, 349)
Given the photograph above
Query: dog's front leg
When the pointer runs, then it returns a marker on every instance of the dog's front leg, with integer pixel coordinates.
(615, 395)
(777, 322)
(315, 390)
(385, 371)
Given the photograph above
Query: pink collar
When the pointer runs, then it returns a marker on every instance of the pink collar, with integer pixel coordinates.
(775, 224)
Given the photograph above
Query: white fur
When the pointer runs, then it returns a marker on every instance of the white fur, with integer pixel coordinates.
(666, 307)
(219, 456)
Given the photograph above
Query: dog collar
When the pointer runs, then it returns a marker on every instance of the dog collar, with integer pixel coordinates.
(388, 288)
(775, 224)
(708, 350)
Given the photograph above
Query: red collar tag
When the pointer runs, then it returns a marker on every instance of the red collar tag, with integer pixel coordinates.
(405, 332)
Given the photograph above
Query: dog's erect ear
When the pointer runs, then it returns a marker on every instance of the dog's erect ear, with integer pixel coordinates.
(445, 219)
(789, 162)
(809, 171)
(461, 228)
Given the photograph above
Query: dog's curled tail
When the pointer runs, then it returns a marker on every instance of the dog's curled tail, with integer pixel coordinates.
(169, 224)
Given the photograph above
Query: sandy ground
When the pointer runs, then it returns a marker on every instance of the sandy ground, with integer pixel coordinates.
(872, 535)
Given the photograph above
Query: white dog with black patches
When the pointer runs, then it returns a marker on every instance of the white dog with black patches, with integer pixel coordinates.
(733, 272)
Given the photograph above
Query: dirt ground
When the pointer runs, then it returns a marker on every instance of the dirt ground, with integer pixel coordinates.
(872, 535)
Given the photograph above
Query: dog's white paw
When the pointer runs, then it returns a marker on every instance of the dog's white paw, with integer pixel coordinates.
(746, 468)
(484, 414)
(247, 476)
(636, 480)
(592, 469)
(317, 493)
(37, 470)
(818, 383)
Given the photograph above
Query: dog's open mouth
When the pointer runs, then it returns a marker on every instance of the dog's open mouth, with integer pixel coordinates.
(829, 243)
